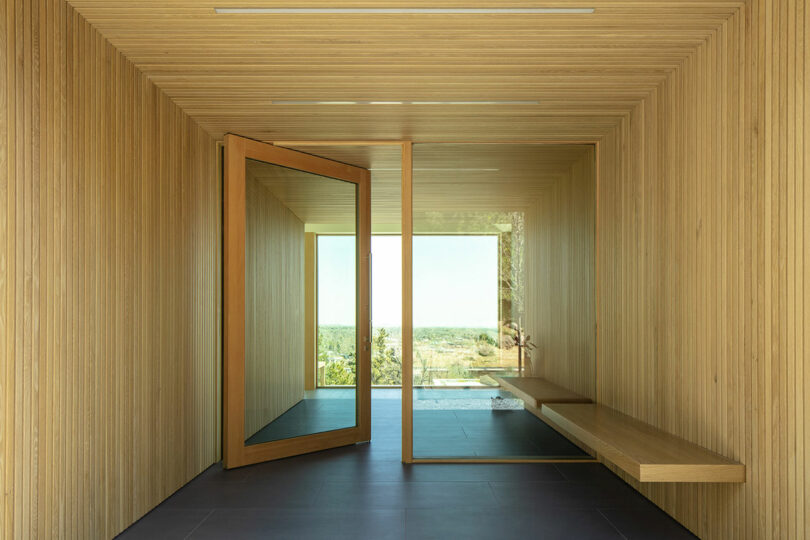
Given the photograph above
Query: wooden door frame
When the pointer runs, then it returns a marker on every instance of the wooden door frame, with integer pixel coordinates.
(235, 452)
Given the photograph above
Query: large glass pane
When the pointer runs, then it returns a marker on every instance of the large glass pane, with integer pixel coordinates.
(386, 311)
(283, 208)
(335, 338)
(337, 333)
(501, 288)
(455, 310)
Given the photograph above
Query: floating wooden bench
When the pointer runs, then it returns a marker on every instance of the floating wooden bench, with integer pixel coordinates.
(536, 390)
(641, 450)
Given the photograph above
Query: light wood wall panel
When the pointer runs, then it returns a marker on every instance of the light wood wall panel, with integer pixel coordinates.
(310, 310)
(560, 281)
(701, 116)
(704, 265)
(109, 231)
(274, 304)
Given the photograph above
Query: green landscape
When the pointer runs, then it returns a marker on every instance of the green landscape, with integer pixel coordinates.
(442, 356)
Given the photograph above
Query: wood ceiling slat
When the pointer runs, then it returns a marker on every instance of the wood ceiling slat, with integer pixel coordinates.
(226, 69)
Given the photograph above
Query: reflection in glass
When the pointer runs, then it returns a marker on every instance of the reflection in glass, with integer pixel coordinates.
(283, 207)
(496, 244)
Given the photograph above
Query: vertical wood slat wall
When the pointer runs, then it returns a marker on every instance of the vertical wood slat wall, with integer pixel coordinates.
(702, 276)
(310, 310)
(274, 297)
(109, 231)
(560, 280)
(704, 265)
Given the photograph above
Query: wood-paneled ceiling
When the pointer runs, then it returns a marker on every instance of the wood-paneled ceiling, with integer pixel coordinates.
(586, 71)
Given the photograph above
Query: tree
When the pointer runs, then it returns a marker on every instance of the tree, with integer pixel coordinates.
(340, 371)
(386, 364)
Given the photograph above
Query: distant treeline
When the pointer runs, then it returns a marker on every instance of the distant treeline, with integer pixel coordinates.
(462, 348)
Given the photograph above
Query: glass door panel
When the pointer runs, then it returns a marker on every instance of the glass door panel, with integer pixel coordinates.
(274, 197)
(279, 203)
(502, 287)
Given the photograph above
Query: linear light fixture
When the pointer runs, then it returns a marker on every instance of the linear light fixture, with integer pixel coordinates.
(435, 169)
(342, 102)
(405, 11)
(494, 102)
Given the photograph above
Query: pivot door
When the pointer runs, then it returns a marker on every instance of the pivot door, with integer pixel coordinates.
(273, 198)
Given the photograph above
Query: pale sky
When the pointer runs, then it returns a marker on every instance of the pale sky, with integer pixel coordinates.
(455, 281)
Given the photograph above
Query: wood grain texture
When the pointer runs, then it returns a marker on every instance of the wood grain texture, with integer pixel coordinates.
(310, 310)
(233, 300)
(560, 278)
(407, 302)
(703, 265)
(642, 451)
(364, 307)
(227, 71)
(109, 234)
(238, 152)
(274, 303)
(699, 109)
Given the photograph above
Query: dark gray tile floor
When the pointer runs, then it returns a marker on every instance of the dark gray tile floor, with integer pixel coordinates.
(450, 430)
(487, 433)
(364, 491)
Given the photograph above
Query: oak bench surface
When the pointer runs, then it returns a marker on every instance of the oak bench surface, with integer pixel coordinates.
(646, 453)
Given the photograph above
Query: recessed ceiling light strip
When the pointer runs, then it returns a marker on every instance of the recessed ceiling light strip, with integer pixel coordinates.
(494, 102)
(344, 102)
(406, 11)
(434, 169)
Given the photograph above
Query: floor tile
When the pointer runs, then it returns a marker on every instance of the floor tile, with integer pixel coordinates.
(263, 493)
(532, 495)
(164, 523)
(653, 523)
(484, 472)
(441, 524)
(405, 495)
(313, 523)
(364, 491)
(586, 472)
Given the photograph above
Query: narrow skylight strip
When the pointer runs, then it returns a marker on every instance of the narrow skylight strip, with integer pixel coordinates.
(352, 102)
(406, 11)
